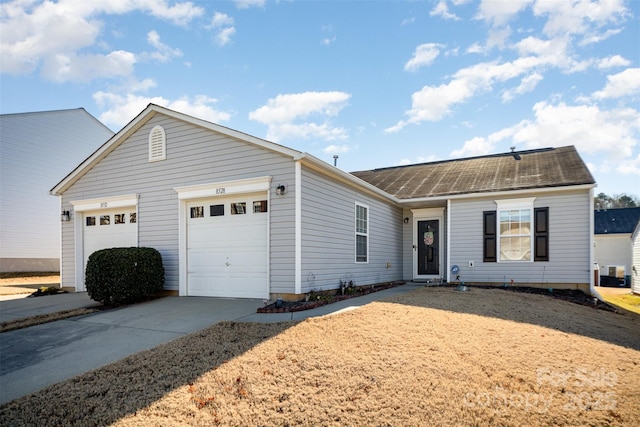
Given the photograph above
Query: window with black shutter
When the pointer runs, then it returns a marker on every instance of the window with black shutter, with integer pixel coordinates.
(541, 237)
(489, 246)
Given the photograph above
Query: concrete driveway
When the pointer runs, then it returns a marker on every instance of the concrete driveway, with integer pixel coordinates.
(38, 356)
(35, 357)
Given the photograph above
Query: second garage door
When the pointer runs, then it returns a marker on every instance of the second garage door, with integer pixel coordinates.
(227, 241)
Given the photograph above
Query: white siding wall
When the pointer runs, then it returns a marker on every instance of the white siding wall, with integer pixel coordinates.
(328, 236)
(569, 242)
(194, 156)
(613, 249)
(37, 150)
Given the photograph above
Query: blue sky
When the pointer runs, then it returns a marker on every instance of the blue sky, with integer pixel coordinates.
(380, 83)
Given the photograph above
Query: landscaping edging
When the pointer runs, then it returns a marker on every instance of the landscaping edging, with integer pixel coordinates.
(324, 299)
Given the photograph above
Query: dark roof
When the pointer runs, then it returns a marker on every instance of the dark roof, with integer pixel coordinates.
(612, 221)
(548, 167)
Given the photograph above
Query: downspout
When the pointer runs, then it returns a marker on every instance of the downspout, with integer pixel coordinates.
(448, 241)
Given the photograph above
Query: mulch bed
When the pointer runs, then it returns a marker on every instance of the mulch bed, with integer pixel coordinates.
(572, 295)
(320, 299)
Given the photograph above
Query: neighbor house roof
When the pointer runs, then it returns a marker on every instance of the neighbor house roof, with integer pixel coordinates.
(616, 221)
(548, 167)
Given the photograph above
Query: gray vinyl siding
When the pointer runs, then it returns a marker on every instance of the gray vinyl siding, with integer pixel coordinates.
(328, 235)
(194, 156)
(569, 241)
(407, 245)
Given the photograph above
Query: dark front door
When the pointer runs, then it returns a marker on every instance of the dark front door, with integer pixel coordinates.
(428, 247)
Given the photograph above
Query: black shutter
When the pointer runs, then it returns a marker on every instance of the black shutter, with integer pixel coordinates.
(541, 234)
(489, 232)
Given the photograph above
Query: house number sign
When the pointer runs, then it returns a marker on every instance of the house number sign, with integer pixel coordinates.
(220, 190)
(103, 204)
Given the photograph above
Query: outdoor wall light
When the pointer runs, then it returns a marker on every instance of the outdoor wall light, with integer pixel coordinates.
(406, 220)
(281, 189)
(65, 216)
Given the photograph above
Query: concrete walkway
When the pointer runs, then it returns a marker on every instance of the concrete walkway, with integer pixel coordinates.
(42, 355)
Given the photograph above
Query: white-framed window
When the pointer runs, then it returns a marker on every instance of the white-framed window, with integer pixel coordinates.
(515, 230)
(362, 232)
(157, 144)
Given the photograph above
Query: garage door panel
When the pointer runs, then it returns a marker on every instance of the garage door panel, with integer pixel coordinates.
(105, 229)
(227, 254)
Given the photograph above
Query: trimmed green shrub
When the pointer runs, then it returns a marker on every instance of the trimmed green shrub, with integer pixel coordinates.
(124, 275)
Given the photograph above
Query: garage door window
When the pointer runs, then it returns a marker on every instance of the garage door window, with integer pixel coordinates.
(133, 217)
(91, 220)
(216, 210)
(197, 212)
(119, 219)
(238, 208)
(259, 206)
(105, 219)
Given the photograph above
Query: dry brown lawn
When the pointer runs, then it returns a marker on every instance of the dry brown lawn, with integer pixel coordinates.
(434, 356)
(25, 283)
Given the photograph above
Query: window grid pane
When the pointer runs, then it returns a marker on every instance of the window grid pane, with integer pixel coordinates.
(361, 226)
(238, 208)
(259, 206)
(197, 212)
(515, 235)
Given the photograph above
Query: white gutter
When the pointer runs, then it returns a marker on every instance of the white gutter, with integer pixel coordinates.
(446, 197)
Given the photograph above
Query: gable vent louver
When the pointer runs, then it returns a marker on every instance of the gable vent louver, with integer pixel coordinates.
(157, 144)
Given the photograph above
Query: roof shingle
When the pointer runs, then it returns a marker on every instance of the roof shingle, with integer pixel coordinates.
(615, 221)
(548, 167)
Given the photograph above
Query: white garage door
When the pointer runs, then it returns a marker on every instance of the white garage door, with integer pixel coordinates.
(109, 229)
(227, 247)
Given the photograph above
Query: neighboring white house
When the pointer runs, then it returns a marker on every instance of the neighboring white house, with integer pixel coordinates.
(234, 215)
(613, 230)
(37, 149)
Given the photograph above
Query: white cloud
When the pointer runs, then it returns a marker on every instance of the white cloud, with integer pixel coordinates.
(336, 149)
(70, 67)
(527, 84)
(283, 114)
(441, 9)
(121, 109)
(579, 17)
(408, 21)
(245, 4)
(48, 35)
(625, 83)
(433, 103)
(498, 13)
(224, 36)
(476, 146)
(424, 55)
(224, 24)
(612, 135)
(163, 53)
(221, 20)
(613, 61)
